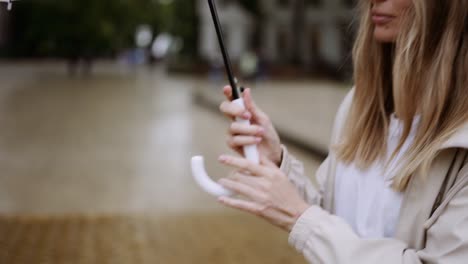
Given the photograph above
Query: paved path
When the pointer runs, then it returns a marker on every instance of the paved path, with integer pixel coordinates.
(96, 170)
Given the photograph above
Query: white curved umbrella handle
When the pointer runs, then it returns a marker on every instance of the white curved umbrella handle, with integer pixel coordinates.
(198, 166)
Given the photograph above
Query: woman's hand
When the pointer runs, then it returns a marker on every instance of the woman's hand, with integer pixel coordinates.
(260, 132)
(267, 191)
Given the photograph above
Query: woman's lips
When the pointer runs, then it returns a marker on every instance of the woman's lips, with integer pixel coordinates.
(380, 19)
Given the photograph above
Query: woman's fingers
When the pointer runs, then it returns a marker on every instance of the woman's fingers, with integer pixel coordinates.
(255, 182)
(241, 188)
(233, 110)
(267, 162)
(242, 205)
(240, 141)
(250, 104)
(246, 129)
(244, 165)
(227, 92)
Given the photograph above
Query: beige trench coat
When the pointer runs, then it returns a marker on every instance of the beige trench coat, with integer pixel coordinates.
(433, 223)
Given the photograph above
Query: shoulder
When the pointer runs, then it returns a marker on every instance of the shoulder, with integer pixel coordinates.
(461, 179)
(347, 101)
(459, 139)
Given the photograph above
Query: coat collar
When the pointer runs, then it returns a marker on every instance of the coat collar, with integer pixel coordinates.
(459, 139)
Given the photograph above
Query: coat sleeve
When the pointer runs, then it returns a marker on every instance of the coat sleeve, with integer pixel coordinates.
(294, 169)
(325, 238)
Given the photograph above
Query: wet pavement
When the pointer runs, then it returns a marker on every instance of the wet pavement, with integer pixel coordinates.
(117, 145)
(115, 142)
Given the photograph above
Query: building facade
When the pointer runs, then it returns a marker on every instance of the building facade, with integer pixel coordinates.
(237, 24)
(321, 34)
(312, 33)
(3, 25)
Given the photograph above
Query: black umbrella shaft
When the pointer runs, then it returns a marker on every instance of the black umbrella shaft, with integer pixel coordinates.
(227, 62)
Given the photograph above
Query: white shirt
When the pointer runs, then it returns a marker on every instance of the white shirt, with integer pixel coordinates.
(364, 198)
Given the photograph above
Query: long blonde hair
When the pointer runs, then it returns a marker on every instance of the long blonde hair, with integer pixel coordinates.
(423, 73)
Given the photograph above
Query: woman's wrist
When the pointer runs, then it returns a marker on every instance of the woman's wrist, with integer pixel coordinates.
(279, 157)
(301, 209)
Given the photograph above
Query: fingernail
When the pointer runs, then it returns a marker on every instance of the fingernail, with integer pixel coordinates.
(222, 158)
(246, 115)
(261, 130)
(258, 139)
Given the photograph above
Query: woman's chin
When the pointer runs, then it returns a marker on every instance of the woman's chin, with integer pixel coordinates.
(384, 36)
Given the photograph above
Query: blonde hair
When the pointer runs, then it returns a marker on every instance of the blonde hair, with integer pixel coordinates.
(423, 73)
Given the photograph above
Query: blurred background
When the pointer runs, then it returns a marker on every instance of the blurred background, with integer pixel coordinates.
(104, 102)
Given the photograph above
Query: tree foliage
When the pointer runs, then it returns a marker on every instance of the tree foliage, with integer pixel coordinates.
(67, 28)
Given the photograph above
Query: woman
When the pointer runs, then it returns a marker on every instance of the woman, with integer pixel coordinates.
(394, 188)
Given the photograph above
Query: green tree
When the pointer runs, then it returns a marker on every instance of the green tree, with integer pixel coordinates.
(68, 28)
(91, 28)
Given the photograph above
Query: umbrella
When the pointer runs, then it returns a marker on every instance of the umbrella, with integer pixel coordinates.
(250, 152)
